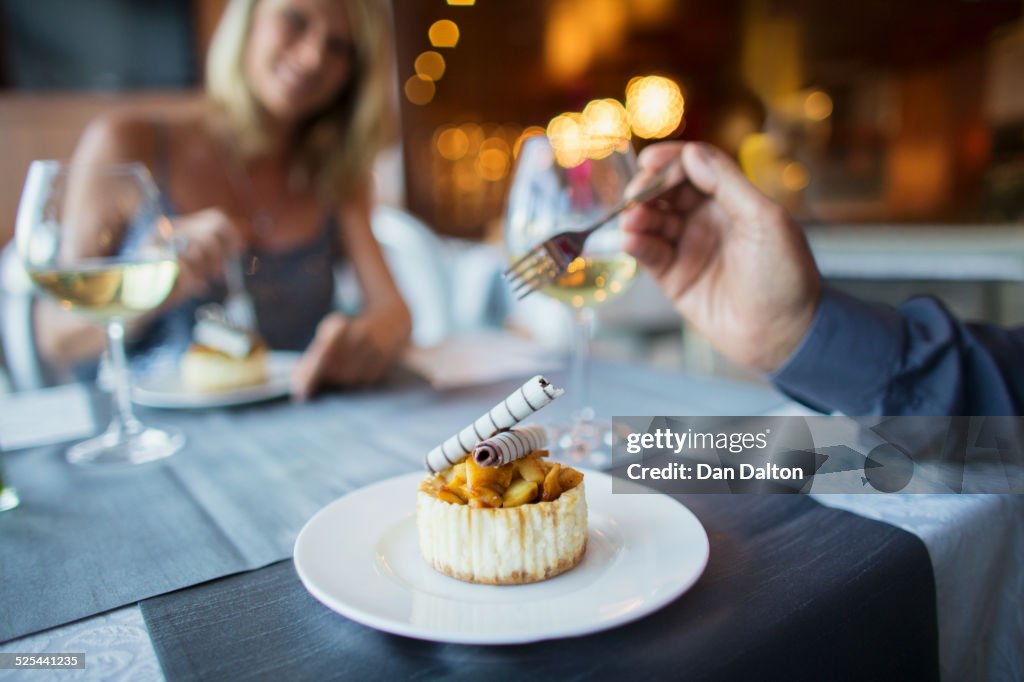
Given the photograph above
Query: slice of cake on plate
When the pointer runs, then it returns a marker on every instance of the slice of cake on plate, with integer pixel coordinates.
(222, 358)
(502, 514)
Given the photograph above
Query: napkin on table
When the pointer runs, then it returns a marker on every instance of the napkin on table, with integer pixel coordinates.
(50, 415)
(479, 357)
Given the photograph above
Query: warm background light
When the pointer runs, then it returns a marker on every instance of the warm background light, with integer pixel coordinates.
(759, 159)
(429, 65)
(470, 167)
(568, 139)
(607, 21)
(444, 33)
(494, 159)
(419, 90)
(568, 48)
(856, 131)
(593, 134)
(528, 132)
(475, 134)
(462, 3)
(580, 32)
(452, 143)
(604, 122)
(654, 106)
(795, 177)
(650, 13)
(818, 106)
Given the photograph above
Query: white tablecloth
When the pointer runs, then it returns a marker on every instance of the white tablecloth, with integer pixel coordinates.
(976, 544)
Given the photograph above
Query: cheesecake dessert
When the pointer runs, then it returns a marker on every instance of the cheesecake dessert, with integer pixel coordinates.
(223, 358)
(521, 522)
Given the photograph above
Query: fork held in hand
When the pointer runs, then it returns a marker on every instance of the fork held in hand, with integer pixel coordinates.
(544, 263)
(237, 310)
(238, 305)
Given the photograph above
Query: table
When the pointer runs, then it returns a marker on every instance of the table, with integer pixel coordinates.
(121, 646)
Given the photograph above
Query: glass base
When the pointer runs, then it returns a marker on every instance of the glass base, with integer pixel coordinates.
(116, 447)
(8, 499)
(586, 443)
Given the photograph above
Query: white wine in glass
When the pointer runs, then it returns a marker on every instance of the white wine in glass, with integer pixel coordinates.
(549, 196)
(106, 288)
(93, 239)
(591, 280)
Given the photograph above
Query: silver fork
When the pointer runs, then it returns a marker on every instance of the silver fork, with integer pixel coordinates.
(238, 306)
(545, 262)
(238, 310)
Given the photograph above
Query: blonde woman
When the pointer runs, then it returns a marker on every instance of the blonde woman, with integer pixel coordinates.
(273, 168)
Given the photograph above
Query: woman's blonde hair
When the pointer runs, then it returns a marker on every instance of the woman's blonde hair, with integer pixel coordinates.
(335, 148)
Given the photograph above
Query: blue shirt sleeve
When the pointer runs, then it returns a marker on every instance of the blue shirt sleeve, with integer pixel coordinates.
(869, 359)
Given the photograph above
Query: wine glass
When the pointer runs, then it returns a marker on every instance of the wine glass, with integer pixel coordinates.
(553, 191)
(94, 239)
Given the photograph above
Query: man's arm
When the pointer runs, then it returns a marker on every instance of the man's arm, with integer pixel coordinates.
(869, 359)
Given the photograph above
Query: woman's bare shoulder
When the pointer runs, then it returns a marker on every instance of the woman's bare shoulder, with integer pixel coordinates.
(135, 136)
(116, 136)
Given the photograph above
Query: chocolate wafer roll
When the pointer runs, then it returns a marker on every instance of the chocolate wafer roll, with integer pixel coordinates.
(508, 446)
(527, 399)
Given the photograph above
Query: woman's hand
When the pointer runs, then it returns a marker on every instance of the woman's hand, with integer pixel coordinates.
(207, 238)
(732, 262)
(349, 351)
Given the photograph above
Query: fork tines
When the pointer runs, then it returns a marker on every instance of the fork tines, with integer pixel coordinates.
(538, 268)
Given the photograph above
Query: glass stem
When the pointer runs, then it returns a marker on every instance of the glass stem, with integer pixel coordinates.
(124, 417)
(579, 366)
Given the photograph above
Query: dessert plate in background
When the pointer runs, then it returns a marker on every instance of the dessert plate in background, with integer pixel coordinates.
(166, 390)
(360, 557)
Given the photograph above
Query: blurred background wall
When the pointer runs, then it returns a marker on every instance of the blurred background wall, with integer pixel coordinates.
(880, 117)
(99, 45)
(852, 111)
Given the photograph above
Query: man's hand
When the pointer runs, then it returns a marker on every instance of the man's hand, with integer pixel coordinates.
(732, 262)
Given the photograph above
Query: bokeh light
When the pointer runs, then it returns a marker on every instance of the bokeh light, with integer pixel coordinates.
(795, 176)
(654, 106)
(452, 143)
(568, 44)
(604, 123)
(650, 12)
(607, 21)
(759, 159)
(462, 3)
(568, 139)
(429, 65)
(470, 165)
(494, 159)
(597, 132)
(444, 33)
(817, 106)
(531, 131)
(475, 135)
(467, 178)
(419, 90)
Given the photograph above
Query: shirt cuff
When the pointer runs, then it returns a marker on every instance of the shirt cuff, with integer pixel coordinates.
(845, 360)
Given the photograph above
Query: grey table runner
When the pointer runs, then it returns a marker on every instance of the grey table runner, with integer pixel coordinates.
(234, 499)
(793, 590)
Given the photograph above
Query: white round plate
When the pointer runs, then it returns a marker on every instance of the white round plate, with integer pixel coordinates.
(360, 556)
(167, 391)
